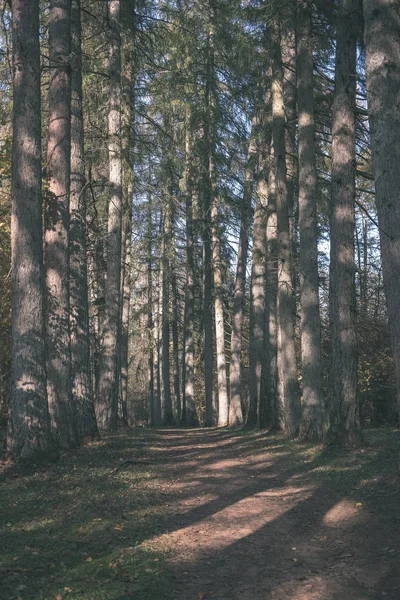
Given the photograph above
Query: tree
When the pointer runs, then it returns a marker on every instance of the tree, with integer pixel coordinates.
(57, 227)
(29, 435)
(222, 385)
(235, 406)
(288, 393)
(382, 43)
(107, 395)
(312, 414)
(343, 419)
(82, 389)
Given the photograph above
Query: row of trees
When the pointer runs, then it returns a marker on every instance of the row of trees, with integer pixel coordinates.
(231, 136)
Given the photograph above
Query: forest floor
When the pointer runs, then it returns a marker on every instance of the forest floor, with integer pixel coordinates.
(202, 515)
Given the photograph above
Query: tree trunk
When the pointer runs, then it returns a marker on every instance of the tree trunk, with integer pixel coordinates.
(382, 25)
(125, 300)
(128, 145)
(257, 304)
(289, 400)
(150, 324)
(222, 385)
(235, 407)
(167, 249)
(57, 226)
(288, 44)
(176, 403)
(211, 413)
(158, 392)
(189, 412)
(343, 425)
(29, 434)
(82, 391)
(268, 407)
(107, 400)
(313, 403)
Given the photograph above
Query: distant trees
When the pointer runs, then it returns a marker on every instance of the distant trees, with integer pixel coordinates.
(202, 163)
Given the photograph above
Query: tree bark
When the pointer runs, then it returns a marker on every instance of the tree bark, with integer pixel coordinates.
(313, 403)
(382, 42)
(151, 391)
(343, 425)
(268, 406)
(57, 226)
(176, 403)
(222, 385)
(107, 400)
(235, 407)
(289, 399)
(189, 408)
(257, 304)
(166, 260)
(29, 435)
(82, 391)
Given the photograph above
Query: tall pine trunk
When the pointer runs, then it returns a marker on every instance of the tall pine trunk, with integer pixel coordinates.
(57, 226)
(235, 406)
(82, 391)
(189, 414)
(151, 389)
(176, 402)
(312, 414)
(268, 407)
(382, 42)
(288, 392)
(107, 398)
(257, 304)
(222, 385)
(343, 424)
(29, 434)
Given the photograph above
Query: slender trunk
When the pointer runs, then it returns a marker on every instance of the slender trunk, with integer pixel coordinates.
(128, 142)
(57, 226)
(176, 404)
(313, 403)
(382, 24)
(268, 407)
(150, 324)
(288, 44)
(107, 400)
(29, 434)
(82, 391)
(235, 407)
(364, 278)
(222, 385)
(343, 425)
(125, 308)
(257, 304)
(157, 355)
(211, 412)
(189, 411)
(166, 264)
(289, 399)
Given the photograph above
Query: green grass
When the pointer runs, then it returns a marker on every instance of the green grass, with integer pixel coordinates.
(77, 531)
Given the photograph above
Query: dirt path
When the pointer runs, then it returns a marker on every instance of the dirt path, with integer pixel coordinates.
(254, 518)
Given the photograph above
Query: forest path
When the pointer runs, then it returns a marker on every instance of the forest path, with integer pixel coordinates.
(256, 517)
(205, 514)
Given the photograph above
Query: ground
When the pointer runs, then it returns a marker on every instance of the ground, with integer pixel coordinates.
(175, 514)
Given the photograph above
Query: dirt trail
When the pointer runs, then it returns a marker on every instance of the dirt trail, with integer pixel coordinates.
(250, 520)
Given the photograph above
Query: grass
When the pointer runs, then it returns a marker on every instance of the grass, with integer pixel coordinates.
(75, 530)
